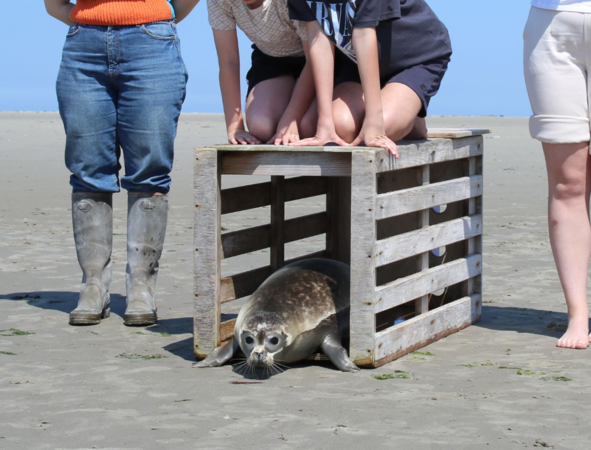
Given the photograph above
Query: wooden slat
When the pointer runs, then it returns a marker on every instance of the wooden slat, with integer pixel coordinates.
(455, 133)
(332, 211)
(207, 258)
(304, 187)
(252, 239)
(287, 163)
(242, 198)
(244, 241)
(422, 303)
(415, 242)
(423, 283)
(424, 197)
(474, 245)
(363, 273)
(245, 283)
(419, 331)
(429, 152)
(277, 250)
(305, 226)
(227, 330)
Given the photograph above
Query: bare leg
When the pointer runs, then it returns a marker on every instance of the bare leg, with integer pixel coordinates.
(569, 187)
(307, 126)
(266, 104)
(419, 130)
(401, 105)
(348, 110)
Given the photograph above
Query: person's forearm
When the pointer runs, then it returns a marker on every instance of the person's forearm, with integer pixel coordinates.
(230, 87)
(60, 9)
(322, 69)
(182, 8)
(301, 97)
(366, 49)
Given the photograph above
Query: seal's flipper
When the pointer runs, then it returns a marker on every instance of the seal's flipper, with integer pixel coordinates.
(334, 350)
(220, 355)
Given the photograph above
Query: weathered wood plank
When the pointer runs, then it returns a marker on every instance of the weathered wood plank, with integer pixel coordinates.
(207, 259)
(305, 226)
(287, 163)
(244, 284)
(422, 330)
(423, 240)
(252, 239)
(332, 213)
(227, 330)
(455, 133)
(277, 252)
(423, 283)
(422, 303)
(363, 238)
(242, 198)
(344, 220)
(424, 197)
(429, 152)
(247, 240)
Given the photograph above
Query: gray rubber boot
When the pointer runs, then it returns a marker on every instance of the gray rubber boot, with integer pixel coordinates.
(92, 219)
(146, 227)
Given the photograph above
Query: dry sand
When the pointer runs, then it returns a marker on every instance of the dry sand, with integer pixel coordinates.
(500, 384)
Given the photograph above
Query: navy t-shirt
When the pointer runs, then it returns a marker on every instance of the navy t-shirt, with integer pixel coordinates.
(408, 31)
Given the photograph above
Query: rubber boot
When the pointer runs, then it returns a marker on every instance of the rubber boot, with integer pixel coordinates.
(92, 218)
(146, 227)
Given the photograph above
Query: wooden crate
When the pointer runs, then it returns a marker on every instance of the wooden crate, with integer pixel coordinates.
(390, 219)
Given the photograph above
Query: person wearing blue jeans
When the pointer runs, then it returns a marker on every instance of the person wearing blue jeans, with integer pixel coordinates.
(120, 88)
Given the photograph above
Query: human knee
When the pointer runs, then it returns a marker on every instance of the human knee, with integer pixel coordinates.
(396, 127)
(345, 125)
(569, 190)
(261, 127)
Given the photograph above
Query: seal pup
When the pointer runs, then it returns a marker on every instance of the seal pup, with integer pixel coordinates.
(299, 309)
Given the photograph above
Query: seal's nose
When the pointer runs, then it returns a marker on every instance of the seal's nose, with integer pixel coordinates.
(258, 356)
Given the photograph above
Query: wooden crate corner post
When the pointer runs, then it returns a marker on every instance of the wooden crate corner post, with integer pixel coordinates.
(207, 252)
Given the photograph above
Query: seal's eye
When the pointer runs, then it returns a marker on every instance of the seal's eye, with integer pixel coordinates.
(249, 340)
(274, 341)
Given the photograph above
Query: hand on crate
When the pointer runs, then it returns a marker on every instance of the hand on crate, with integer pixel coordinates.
(287, 133)
(375, 137)
(243, 137)
(325, 133)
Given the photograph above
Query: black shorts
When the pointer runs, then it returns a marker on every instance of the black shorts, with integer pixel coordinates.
(424, 79)
(265, 67)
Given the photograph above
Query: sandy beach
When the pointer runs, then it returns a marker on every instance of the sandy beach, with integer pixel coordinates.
(500, 384)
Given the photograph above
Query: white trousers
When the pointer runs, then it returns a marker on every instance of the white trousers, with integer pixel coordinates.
(556, 58)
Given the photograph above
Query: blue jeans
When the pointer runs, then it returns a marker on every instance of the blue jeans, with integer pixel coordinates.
(121, 88)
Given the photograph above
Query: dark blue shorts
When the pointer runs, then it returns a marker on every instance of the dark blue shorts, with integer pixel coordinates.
(424, 79)
(265, 67)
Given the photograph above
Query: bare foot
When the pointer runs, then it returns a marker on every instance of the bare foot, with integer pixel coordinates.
(576, 336)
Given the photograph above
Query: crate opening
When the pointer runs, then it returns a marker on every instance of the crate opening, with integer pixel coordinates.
(395, 316)
(446, 295)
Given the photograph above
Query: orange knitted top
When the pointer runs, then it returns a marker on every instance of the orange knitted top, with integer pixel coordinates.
(121, 12)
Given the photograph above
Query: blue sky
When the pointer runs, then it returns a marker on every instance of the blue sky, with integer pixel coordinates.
(484, 78)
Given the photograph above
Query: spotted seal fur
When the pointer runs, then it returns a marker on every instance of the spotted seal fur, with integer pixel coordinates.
(301, 308)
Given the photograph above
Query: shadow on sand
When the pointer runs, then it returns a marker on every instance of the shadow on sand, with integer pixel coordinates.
(60, 301)
(523, 320)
